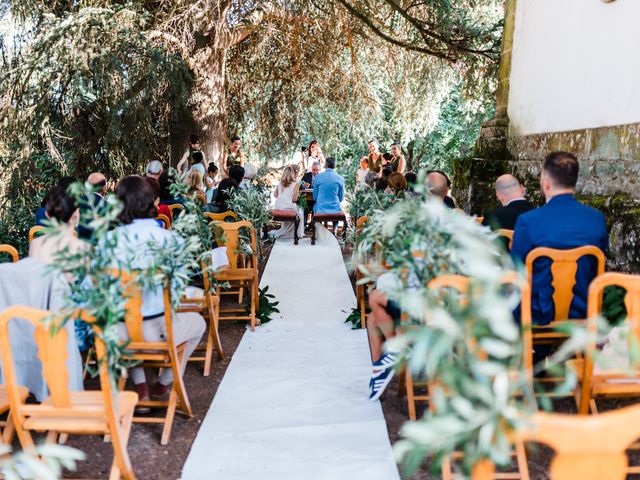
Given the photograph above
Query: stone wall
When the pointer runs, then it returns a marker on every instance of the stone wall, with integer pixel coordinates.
(610, 185)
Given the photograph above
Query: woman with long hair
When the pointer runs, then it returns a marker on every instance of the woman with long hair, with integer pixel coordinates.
(397, 162)
(234, 155)
(286, 194)
(314, 154)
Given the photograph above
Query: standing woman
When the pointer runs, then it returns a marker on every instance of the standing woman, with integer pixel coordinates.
(233, 156)
(374, 159)
(184, 165)
(397, 162)
(315, 155)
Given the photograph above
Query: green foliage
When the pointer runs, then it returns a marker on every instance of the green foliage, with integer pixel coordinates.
(47, 462)
(613, 307)
(252, 204)
(266, 305)
(365, 201)
(354, 318)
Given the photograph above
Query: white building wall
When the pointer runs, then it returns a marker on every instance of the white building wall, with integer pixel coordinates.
(575, 65)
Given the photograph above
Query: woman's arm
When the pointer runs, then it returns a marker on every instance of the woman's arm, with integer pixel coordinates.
(296, 193)
(241, 158)
(223, 165)
(184, 158)
(401, 164)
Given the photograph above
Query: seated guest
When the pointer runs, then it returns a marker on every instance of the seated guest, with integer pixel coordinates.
(62, 207)
(361, 173)
(397, 184)
(382, 183)
(448, 200)
(155, 186)
(154, 169)
(308, 177)
(511, 196)
(286, 194)
(412, 179)
(328, 189)
(437, 183)
(370, 180)
(386, 172)
(194, 181)
(166, 197)
(225, 188)
(89, 204)
(211, 181)
(562, 223)
(138, 229)
(237, 173)
(41, 213)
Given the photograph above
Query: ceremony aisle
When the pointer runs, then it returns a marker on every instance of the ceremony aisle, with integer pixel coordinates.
(293, 403)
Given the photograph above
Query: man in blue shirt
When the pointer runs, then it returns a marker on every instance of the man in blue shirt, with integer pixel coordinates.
(328, 189)
(563, 223)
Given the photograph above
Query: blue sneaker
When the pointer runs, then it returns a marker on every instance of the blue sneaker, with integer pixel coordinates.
(387, 360)
(379, 383)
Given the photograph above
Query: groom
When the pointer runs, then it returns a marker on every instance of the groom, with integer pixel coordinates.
(328, 189)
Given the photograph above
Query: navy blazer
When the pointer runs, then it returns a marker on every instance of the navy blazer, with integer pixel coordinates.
(562, 223)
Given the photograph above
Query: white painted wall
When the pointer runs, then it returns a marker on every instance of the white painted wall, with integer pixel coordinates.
(575, 65)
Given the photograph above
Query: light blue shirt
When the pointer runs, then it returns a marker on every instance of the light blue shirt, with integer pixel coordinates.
(133, 247)
(328, 192)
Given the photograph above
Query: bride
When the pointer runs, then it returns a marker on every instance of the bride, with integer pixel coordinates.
(286, 199)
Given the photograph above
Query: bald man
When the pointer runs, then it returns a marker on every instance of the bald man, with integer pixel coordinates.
(510, 194)
(438, 184)
(99, 181)
(88, 203)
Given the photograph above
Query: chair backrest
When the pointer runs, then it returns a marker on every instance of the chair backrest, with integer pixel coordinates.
(586, 447)
(11, 251)
(201, 197)
(175, 209)
(221, 217)
(166, 222)
(36, 232)
(564, 265)
(228, 234)
(508, 234)
(361, 222)
(51, 339)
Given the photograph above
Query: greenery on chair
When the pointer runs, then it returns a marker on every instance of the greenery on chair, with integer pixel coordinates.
(46, 463)
(354, 318)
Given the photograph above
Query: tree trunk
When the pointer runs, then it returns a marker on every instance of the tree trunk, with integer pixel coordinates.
(206, 114)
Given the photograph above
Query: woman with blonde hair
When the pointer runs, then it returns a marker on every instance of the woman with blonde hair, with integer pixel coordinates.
(194, 181)
(286, 199)
(397, 184)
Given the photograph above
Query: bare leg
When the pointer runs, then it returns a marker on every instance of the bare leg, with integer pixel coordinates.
(379, 324)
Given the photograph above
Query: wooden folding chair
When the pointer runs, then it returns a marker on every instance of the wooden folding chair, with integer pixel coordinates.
(175, 209)
(563, 278)
(508, 235)
(586, 448)
(361, 290)
(166, 222)
(103, 412)
(611, 382)
(36, 232)
(208, 306)
(242, 270)
(11, 251)
(201, 197)
(221, 217)
(159, 354)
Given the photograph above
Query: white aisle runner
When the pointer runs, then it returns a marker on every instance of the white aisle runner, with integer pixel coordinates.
(293, 403)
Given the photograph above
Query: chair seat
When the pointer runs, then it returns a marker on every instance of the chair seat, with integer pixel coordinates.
(329, 216)
(607, 382)
(86, 402)
(284, 214)
(4, 397)
(237, 274)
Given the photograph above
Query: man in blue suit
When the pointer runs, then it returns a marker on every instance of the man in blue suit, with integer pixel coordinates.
(328, 189)
(563, 223)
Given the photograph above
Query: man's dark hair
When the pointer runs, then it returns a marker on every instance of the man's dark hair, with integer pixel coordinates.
(382, 183)
(387, 156)
(197, 157)
(386, 172)
(60, 205)
(165, 186)
(212, 168)
(225, 189)
(138, 199)
(411, 178)
(237, 173)
(441, 173)
(194, 138)
(562, 168)
(330, 162)
(154, 184)
(235, 138)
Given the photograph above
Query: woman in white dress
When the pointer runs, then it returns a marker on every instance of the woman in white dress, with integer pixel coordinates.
(286, 199)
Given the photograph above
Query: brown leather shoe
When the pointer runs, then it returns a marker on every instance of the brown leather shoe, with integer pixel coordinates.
(161, 392)
(143, 395)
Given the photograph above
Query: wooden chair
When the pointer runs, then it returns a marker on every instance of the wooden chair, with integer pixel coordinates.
(361, 290)
(325, 218)
(586, 448)
(242, 270)
(221, 217)
(159, 354)
(11, 251)
(36, 232)
(611, 382)
(281, 216)
(103, 412)
(208, 306)
(175, 209)
(166, 222)
(201, 197)
(508, 235)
